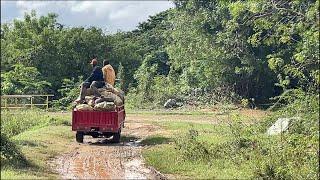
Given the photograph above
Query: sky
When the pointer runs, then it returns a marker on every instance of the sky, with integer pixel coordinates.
(110, 16)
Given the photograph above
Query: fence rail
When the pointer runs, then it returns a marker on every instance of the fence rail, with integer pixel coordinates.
(15, 98)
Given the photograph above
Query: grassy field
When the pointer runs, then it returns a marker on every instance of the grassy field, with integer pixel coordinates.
(168, 159)
(190, 144)
(37, 137)
(234, 150)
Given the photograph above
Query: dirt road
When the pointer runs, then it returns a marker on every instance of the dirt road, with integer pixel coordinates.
(99, 159)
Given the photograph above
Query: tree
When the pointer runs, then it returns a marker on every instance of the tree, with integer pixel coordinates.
(23, 80)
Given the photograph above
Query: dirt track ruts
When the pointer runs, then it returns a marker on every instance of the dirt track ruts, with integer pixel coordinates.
(97, 158)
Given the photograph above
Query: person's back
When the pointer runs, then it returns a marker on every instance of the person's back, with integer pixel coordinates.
(108, 73)
(94, 81)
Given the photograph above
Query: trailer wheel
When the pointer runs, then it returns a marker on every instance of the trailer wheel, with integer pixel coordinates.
(79, 137)
(116, 137)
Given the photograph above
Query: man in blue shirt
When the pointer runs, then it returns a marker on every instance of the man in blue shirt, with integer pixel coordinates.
(94, 81)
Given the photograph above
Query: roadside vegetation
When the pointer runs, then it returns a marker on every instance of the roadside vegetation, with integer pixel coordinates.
(204, 54)
(234, 149)
(28, 140)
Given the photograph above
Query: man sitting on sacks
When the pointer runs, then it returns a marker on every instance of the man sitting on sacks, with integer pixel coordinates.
(109, 74)
(94, 81)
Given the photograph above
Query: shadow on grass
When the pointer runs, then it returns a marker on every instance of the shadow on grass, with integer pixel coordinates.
(154, 140)
(29, 143)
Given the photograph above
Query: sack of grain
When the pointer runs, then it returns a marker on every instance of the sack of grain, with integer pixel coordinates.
(84, 107)
(102, 99)
(105, 106)
(120, 94)
(89, 92)
(118, 101)
(90, 100)
(110, 94)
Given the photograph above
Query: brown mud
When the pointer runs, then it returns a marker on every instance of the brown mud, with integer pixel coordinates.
(98, 158)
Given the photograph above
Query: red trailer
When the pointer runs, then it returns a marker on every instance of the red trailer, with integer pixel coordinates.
(98, 123)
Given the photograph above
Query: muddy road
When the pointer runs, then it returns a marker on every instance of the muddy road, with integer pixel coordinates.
(98, 158)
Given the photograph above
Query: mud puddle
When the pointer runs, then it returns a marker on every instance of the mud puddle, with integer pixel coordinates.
(97, 158)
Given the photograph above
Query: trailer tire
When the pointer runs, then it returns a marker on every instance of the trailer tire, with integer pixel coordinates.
(116, 137)
(79, 137)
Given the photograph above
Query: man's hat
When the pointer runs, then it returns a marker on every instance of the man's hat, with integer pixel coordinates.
(94, 62)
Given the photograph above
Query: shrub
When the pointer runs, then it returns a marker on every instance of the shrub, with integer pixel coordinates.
(69, 92)
(292, 154)
(10, 154)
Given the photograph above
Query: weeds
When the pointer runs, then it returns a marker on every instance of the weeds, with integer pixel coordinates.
(203, 149)
(292, 154)
(14, 123)
(10, 153)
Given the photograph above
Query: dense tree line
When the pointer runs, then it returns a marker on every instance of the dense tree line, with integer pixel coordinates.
(213, 49)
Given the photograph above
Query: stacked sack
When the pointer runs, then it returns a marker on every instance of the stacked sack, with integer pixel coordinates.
(109, 99)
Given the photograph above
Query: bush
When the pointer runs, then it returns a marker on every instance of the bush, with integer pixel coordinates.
(292, 154)
(69, 93)
(295, 153)
(16, 122)
(29, 81)
(10, 153)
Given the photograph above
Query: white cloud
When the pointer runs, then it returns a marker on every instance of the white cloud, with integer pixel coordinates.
(113, 15)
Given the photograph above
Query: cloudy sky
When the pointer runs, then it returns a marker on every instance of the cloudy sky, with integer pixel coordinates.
(108, 15)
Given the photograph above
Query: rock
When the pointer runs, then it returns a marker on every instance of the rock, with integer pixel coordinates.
(281, 125)
(170, 103)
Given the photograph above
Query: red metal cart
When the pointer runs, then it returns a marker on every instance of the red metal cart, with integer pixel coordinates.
(98, 123)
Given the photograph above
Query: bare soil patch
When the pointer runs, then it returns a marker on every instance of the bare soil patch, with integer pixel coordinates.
(98, 158)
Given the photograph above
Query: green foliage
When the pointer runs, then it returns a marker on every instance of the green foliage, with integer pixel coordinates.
(125, 49)
(227, 50)
(16, 122)
(55, 51)
(289, 155)
(120, 76)
(70, 91)
(10, 154)
(23, 80)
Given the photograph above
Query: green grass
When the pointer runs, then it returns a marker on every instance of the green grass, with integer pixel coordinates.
(14, 122)
(29, 139)
(237, 150)
(167, 160)
(155, 140)
(38, 146)
(168, 112)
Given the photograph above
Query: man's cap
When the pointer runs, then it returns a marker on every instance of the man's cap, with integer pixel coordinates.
(94, 62)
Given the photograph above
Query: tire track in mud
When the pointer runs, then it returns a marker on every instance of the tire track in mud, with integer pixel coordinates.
(97, 158)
